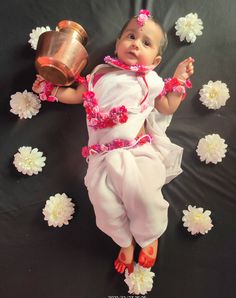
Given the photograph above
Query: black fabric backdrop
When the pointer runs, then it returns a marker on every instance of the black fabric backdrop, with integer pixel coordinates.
(38, 261)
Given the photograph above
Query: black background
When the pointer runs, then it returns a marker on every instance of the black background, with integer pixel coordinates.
(38, 261)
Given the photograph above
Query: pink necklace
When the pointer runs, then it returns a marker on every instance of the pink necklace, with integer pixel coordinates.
(138, 68)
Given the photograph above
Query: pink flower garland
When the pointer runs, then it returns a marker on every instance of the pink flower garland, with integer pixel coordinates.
(139, 68)
(115, 144)
(98, 119)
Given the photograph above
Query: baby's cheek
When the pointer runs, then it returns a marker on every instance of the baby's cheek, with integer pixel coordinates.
(143, 60)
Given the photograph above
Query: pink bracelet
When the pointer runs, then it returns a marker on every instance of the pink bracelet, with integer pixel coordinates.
(46, 94)
(175, 85)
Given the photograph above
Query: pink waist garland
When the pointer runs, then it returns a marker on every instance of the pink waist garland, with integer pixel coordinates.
(116, 144)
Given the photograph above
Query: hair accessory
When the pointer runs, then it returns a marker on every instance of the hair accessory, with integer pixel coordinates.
(49, 92)
(143, 16)
(175, 85)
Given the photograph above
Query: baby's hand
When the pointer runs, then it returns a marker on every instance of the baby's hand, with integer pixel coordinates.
(185, 69)
(38, 84)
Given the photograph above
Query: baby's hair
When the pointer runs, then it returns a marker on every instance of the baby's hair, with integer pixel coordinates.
(164, 40)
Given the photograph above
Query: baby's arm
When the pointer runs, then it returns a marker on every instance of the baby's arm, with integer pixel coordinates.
(64, 94)
(170, 102)
(69, 95)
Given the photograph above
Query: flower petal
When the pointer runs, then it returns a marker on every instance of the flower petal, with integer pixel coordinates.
(189, 27)
(29, 161)
(212, 149)
(58, 210)
(196, 221)
(140, 281)
(214, 95)
(25, 105)
(35, 34)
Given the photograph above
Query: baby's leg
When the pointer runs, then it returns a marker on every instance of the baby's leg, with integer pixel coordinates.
(148, 254)
(125, 259)
(111, 215)
(110, 212)
(143, 175)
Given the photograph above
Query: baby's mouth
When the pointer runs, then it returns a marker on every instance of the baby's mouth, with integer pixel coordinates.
(132, 54)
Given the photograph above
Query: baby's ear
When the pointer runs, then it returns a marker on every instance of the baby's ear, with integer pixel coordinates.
(157, 60)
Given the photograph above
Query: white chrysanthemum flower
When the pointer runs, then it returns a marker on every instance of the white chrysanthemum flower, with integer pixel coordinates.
(140, 281)
(58, 210)
(212, 148)
(34, 36)
(25, 105)
(29, 161)
(197, 221)
(214, 95)
(189, 27)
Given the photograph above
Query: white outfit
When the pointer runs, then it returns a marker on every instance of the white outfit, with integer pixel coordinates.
(124, 185)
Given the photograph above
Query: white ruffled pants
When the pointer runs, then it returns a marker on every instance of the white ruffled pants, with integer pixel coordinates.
(124, 187)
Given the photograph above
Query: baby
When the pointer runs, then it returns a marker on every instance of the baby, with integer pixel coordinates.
(129, 156)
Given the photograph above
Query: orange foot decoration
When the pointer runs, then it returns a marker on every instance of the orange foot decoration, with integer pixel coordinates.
(120, 265)
(147, 259)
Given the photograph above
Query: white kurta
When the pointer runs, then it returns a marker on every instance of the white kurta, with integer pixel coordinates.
(124, 185)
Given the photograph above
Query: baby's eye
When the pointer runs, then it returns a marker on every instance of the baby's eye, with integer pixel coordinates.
(147, 43)
(131, 36)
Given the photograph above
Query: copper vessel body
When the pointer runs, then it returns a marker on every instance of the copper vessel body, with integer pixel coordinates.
(61, 54)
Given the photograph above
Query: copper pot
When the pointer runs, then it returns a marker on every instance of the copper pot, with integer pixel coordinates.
(61, 54)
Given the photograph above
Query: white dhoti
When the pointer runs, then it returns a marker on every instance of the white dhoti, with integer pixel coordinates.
(125, 189)
(124, 185)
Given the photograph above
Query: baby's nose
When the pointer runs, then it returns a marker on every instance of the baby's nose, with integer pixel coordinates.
(135, 43)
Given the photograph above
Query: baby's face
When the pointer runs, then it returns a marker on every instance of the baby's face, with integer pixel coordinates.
(140, 45)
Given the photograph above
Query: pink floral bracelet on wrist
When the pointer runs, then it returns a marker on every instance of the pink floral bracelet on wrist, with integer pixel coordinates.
(175, 85)
(49, 92)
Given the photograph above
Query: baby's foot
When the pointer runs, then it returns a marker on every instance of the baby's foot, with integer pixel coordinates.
(125, 259)
(148, 255)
